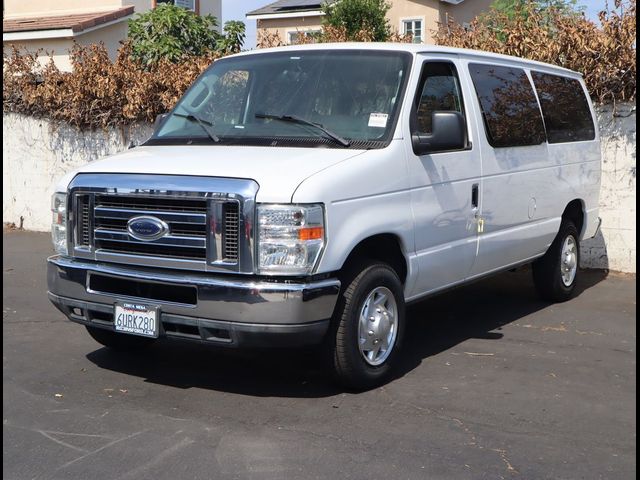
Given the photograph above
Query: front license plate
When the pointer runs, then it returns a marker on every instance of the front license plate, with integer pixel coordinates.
(136, 319)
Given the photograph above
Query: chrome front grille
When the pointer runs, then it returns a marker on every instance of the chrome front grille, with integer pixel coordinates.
(231, 232)
(208, 230)
(83, 206)
(137, 203)
(187, 220)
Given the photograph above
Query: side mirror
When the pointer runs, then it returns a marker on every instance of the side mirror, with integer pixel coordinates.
(448, 133)
(159, 120)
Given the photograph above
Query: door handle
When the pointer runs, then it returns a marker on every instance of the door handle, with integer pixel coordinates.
(474, 195)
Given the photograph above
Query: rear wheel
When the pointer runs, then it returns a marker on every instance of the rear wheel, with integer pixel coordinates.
(555, 274)
(368, 325)
(118, 341)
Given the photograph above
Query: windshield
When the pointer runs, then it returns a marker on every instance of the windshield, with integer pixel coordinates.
(337, 98)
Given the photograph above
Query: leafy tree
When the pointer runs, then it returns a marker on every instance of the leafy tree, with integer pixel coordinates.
(355, 16)
(547, 13)
(547, 9)
(171, 33)
(234, 35)
(512, 8)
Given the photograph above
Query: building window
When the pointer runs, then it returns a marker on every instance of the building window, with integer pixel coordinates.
(188, 4)
(413, 27)
(295, 37)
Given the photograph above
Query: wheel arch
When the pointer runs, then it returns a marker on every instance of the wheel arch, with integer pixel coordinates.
(384, 247)
(575, 211)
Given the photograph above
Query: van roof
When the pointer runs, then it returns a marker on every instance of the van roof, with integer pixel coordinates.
(414, 49)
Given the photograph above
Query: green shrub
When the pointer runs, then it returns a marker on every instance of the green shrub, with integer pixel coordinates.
(355, 16)
(171, 33)
(233, 39)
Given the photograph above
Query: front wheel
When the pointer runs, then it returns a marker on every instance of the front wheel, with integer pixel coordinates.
(368, 326)
(555, 273)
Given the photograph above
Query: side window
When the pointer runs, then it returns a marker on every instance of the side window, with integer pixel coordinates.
(439, 92)
(509, 106)
(565, 108)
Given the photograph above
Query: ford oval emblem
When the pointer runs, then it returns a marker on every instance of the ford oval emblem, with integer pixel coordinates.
(146, 228)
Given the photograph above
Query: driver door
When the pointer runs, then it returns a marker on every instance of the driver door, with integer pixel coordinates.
(445, 185)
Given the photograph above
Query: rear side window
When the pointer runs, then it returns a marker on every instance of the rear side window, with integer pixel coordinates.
(565, 108)
(509, 106)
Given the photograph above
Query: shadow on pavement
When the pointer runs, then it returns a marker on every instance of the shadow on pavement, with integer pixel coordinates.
(479, 310)
(434, 325)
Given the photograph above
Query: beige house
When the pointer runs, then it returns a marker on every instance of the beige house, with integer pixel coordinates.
(291, 18)
(53, 27)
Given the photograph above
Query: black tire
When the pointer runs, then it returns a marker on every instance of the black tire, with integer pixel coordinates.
(347, 361)
(547, 270)
(119, 341)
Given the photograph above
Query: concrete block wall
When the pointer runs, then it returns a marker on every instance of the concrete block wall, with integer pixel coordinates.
(37, 154)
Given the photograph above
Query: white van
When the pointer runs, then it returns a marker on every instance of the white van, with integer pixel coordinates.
(304, 195)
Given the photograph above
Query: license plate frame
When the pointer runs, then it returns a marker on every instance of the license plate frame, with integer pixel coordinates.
(133, 318)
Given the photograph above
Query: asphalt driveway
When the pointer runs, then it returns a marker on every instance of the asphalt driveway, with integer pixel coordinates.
(496, 384)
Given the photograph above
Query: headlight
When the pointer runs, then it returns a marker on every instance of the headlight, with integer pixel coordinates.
(291, 238)
(59, 223)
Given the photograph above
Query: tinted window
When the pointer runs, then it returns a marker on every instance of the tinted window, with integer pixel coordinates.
(565, 108)
(509, 106)
(440, 92)
(355, 94)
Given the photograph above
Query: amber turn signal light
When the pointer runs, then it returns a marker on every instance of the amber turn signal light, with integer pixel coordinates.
(311, 233)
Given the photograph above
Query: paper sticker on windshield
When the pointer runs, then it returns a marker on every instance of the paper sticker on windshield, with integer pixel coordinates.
(378, 120)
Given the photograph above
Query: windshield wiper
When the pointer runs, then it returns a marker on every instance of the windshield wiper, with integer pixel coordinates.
(301, 121)
(205, 124)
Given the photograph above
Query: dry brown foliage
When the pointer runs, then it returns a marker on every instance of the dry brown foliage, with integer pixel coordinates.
(329, 34)
(606, 55)
(268, 39)
(98, 92)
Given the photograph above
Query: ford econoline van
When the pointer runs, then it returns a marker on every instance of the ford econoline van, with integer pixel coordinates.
(304, 195)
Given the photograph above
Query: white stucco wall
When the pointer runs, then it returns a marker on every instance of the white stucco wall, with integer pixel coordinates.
(615, 247)
(36, 155)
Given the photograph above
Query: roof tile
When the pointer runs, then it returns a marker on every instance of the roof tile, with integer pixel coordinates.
(76, 22)
(289, 6)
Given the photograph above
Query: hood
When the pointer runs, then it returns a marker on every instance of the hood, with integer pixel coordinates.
(277, 170)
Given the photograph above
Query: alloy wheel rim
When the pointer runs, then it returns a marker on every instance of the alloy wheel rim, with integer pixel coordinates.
(378, 326)
(569, 261)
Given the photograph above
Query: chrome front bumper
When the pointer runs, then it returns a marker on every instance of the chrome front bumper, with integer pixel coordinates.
(230, 311)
